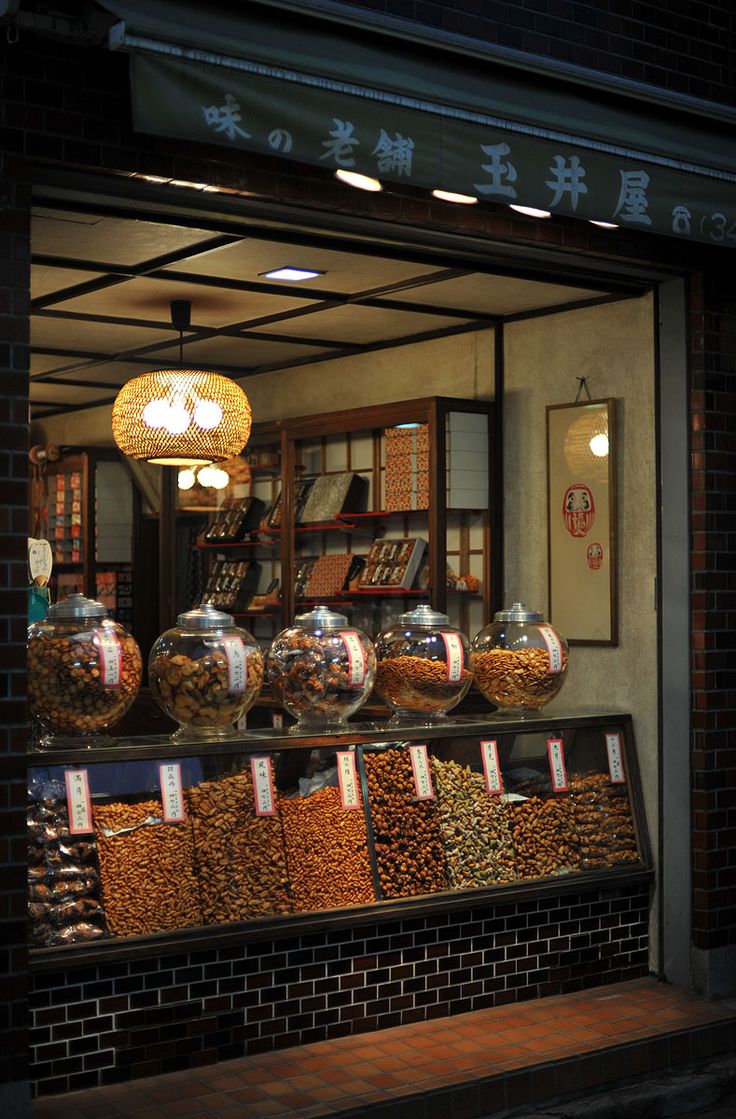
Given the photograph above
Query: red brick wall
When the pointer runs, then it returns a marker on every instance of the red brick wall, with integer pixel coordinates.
(14, 281)
(684, 47)
(713, 563)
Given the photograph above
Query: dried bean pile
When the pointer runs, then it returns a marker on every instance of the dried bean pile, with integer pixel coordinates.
(408, 843)
(63, 881)
(195, 691)
(545, 840)
(419, 684)
(241, 856)
(603, 820)
(148, 876)
(327, 852)
(517, 677)
(474, 826)
(65, 687)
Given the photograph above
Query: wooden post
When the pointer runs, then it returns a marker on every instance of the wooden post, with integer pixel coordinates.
(167, 548)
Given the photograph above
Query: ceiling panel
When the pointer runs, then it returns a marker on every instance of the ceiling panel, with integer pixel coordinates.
(102, 338)
(45, 280)
(343, 272)
(494, 295)
(356, 324)
(142, 298)
(66, 394)
(42, 363)
(113, 373)
(220, 353)
(113, 240)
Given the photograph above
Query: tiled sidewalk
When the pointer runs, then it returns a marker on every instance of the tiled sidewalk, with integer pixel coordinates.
(464, 1067)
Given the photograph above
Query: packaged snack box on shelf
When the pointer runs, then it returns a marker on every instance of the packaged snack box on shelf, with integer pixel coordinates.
(332, 494)
(393, 563)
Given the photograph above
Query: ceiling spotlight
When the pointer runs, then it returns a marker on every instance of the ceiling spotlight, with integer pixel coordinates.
(603, 224)
(355, 179)
(451, 196)
(530, 211)
(291, 274)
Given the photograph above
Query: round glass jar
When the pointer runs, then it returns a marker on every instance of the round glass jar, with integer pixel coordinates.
(424, 665)
(321, 669)
(84, 671)
(205, 673)
(519, 661)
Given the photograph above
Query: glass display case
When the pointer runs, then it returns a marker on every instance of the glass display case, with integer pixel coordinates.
(149, 839)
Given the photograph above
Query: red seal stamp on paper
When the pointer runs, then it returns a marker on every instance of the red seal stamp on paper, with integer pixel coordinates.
(594, 556)
(578, 509)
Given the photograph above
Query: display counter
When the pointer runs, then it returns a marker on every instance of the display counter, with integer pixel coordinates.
(147, 847)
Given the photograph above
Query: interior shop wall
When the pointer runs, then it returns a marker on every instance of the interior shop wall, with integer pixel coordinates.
(613, 347)
(461, 366)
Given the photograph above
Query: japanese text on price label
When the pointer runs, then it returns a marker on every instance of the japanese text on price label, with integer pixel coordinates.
(491, 768)
(172, 793)
(422, 774)
(454, 648)
(347, 776)
(237, 664)
(111, 658)
(554, 648)
(557, 769)
(79, 805)
(356, 657)
(615, 759)
(263, 791)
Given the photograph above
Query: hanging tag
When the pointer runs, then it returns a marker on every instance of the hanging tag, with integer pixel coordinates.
(263, 791)
(356, 657)
(491, 768)
(347, 776)
(111, 658)
(172, 793)
(455, 658)
(237, 664)
(615, 759)
(422, 773)
(556, 753)
(78, 802)
(40, 561)
(554, 648)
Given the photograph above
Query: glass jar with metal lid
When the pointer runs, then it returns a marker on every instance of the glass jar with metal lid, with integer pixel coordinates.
(84, 671)
(424, 664)
(205, 673)
(519, 660)
(321, 669)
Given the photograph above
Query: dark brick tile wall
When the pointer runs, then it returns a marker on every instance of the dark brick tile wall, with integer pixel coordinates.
(14, 283)
(686, 48)
(111, 1022)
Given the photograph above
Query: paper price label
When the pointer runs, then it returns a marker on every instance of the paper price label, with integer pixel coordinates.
(277, 720)
(39, 561)
(78, 803)
(554, 648)
(356, 657)
(615, 759)
(491, 768)
(111, 658)
(347, 776)
(455, 657)
(557, 770)
(422, 773)
(172, 793)
(237, 664)
(263, 791)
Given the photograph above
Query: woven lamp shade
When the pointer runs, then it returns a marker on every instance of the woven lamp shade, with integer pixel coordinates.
(181, 417)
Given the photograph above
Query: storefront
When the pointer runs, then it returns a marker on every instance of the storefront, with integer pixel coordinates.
(422, 312)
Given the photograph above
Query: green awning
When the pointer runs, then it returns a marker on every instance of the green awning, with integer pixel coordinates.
(268, 80)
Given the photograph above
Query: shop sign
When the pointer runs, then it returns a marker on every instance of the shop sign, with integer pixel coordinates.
(335, 129)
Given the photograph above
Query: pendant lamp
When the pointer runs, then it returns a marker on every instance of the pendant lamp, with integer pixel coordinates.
(181, 417)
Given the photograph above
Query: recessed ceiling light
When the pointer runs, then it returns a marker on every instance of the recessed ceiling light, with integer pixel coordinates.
(355, 179)
(530, 211)
(291, 274)
(451, 196)
(603, 224)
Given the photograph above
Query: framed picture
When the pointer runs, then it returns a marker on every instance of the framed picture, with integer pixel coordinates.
(581, 521)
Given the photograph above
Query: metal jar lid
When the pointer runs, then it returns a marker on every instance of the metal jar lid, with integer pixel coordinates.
(321, 618)
(205, 617)
(518, 612)
(424, 615)
(76, 606)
